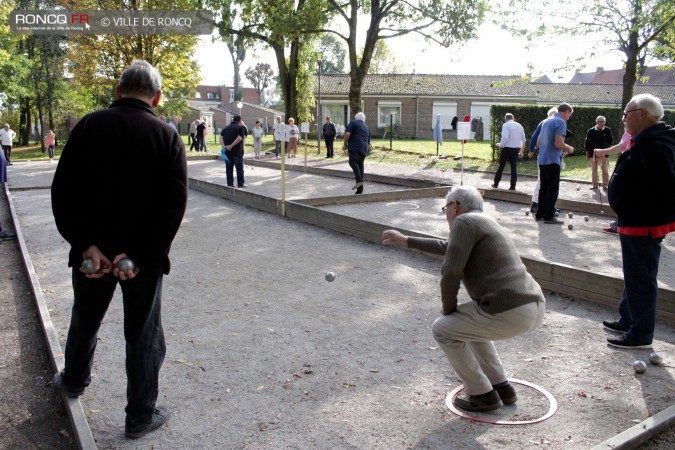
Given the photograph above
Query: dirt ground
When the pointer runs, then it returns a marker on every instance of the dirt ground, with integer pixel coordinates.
(264, 353)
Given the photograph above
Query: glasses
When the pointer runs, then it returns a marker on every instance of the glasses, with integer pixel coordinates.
(625, 113)
(445, 208)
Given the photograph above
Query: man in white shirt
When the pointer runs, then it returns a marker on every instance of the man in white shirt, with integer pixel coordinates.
(6, 137)
(513, 147)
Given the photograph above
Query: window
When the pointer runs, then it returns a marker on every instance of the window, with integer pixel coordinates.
(387, 113)
(447, 111)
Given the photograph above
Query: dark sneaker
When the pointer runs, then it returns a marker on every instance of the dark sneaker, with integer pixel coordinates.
(357, 185)
(484, 402)
(5, 236)
(507, 394)
(555, 221)
(60, 386)
(139, 430)
(494, 186)
(628, 342)
(614, 326)
(534, 207)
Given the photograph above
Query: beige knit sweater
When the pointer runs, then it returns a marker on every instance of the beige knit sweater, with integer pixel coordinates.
(479, 252)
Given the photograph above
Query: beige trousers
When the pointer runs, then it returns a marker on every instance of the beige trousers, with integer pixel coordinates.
(604, 166)
(466, 338)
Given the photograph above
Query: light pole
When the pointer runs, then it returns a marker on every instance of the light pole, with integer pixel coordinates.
(318, 110)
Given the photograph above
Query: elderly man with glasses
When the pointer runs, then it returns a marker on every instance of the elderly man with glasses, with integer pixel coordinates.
(641, 193)
(505, 300)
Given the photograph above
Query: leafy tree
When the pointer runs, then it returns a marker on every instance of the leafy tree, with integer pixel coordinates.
(640, 29)
(260, 76)
(284, 26)
(236, 43)
(98, 61)
(440, 21)
(383, 60)
(333, 54)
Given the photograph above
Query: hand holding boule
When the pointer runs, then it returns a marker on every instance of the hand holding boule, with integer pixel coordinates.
(88, 266)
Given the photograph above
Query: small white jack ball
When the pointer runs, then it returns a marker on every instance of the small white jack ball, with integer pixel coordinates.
(655, 359)
(639, 366)
(570, 226)
(330, 276)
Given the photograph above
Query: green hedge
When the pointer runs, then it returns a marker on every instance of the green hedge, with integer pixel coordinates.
(583, 118)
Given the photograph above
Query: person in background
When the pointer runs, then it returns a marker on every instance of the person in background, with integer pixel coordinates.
(329, 133)
(4, 235)
(552, 146)
(7, 136)
(600, 136)
(173, 123)
(276, 131)
(533, 150)
(507, 301)
(641, 193)
(50, 142)
(294, 134)
(258, 134)
(512, 147)
(193, 134)
(201, 136)
(232, 139)
(107, 225)
(357, 142)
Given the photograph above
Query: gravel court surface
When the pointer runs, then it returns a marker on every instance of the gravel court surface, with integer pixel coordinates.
(263, 353)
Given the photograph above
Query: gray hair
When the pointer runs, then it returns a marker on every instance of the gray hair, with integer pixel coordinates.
(564, 107)
(508, 116)
(552, 111)
(467, 197)
(600, 119)
(140, 78)
(650, 104)
(360, 116)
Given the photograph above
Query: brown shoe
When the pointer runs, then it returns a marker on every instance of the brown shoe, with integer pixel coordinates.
(507, 394)
(483, 402)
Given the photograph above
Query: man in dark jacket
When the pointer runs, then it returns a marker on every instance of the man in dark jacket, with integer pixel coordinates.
(232, 138)
(598, 137)
(122, 198)
(641, 193)
(329, 133)
(357, 142)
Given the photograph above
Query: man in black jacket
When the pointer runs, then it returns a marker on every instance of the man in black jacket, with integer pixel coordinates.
(232, 138)
(641, 193)
(329, 133)
(599, 137)
(123, 197)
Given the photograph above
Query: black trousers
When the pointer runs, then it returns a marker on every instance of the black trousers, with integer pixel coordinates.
(549, 178)
(329, 146)
(145, 345)
(356, 161)
(509, 154)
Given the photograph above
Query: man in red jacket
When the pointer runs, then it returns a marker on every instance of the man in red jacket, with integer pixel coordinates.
(123, 197)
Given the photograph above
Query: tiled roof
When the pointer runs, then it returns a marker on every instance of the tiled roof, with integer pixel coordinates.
(477, 86)
(653, 75)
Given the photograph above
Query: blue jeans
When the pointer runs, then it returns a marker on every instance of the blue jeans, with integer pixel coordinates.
(277, 148)
(145, 346)
(637, 309)
(238, 163)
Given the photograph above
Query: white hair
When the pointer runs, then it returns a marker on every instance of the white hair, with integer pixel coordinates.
(650, 104)
(360, 116)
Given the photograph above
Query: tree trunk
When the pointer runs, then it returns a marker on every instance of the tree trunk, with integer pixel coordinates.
(24, 127)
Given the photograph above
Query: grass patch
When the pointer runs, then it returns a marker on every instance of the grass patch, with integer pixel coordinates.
(414, 153)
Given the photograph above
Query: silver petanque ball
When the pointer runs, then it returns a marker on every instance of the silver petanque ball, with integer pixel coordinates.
(527, 213)
(655, 359)
(570, 226)
(578, 188)
(639, 366)
(556, 214)
(125, 265)
(88, 266)
(586, 219)
(330, 276)
(570, 215)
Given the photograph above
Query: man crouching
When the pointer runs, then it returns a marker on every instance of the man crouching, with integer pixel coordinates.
(507, 302)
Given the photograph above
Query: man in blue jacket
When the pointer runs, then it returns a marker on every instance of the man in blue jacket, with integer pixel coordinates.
(124, 197)
(641, 193)
(357, 142)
